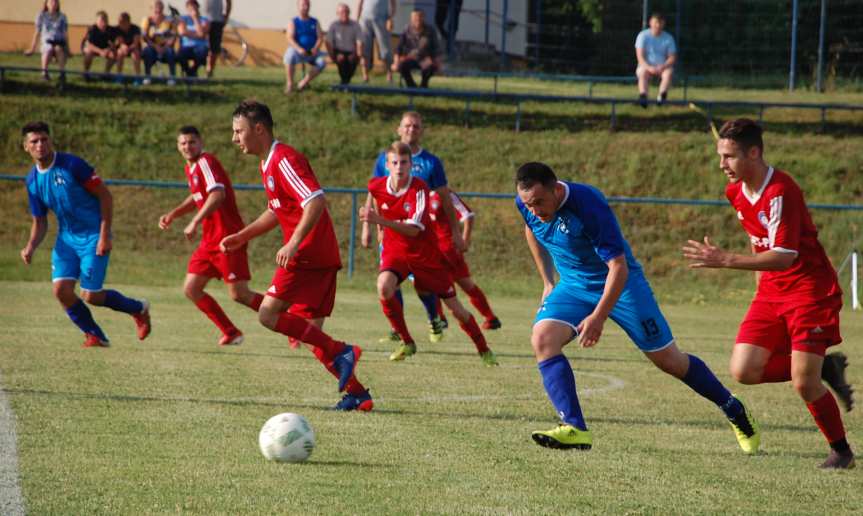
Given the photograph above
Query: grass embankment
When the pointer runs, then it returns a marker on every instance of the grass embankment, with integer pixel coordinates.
(658, 152)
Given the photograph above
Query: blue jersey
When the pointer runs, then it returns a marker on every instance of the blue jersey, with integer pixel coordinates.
(426, 166)
(306, 32)
(60, 188)
(582, 237)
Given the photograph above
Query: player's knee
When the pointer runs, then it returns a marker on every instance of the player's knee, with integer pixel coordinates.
(193, 292)
(459, 312)
(745, 374)
(386, 288)
(268, 318)
(807, 387)
(544, 344)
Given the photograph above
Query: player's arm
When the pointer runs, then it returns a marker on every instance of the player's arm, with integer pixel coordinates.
(312, 212)
(542, 259)
(106, 209)
(320, 40)
(590, 329)
(449, 210)
(187, 206)
(263, 224)
(35, 41)
(642, 61)
(366, 236)
(707, 255)
(38, 230)
(369, 215)
(467, 231)
(292, 41)
(215, 198)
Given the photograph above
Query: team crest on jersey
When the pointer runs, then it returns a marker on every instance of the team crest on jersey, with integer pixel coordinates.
(435, 205)
(762, 218)
(59, 180)
(271, 184)
(407, 206)
(195, 180)
(562, 226)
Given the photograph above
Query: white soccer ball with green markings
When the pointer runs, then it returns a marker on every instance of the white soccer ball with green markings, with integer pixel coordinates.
(287, 437)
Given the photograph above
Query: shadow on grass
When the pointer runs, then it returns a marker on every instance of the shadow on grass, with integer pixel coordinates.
(97, 89)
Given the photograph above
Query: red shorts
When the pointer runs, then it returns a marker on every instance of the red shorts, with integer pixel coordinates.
(436, 280)
(786, 326)
(311, 292)
(230, 267)
(456, 264)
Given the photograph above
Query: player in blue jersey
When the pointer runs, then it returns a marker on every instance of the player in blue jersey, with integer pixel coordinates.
(429, 168)
(68, 186)
(571, 229)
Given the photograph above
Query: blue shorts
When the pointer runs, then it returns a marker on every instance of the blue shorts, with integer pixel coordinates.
(292, 57)
(79, 262)
(636, 312)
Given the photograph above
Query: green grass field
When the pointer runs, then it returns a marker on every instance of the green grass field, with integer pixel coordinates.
(171, 424)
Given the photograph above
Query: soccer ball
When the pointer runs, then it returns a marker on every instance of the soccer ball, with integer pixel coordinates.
(287, 437)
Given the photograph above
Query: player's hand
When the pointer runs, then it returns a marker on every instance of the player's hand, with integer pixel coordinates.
(366, 237)
(285, 254)
(368, 214)
(191, 230)
(104, 246)
(165, 221)
(458, 242)
(589, 330)
(466, 244)
(704, 255)
(27, 254)
(546, 290)
(231, 243)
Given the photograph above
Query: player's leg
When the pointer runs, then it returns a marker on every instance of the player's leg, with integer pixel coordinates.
(65, 271)
(315, 289)
(664, 84)
(430, 303)
(122, 53)
(94, 268)
(47, 54)
(643, 84)
(88, 58)
(480, 302)
(290, 60)
(234, 269)
(199, 275)
(387, 285)
(317, 65)
(468, 324)
(357, 396)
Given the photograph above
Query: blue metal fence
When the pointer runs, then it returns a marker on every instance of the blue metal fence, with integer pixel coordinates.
(356, 192)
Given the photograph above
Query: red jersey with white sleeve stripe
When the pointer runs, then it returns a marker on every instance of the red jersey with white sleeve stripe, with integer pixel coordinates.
(408, 205)
(290, 184)
(440, 222)
(776, 218)
(205, 175)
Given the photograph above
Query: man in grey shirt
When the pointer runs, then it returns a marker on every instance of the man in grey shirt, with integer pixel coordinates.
(218, 11)
(344, 43)
(376, 20)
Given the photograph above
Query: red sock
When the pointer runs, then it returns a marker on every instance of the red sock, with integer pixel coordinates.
(777, 369)
(478, 300)
(300, 329)
(396, 315)
(472, 329)
(825, 411)
(255, 304)
(440, 313)
(211, 309)
(353, 386)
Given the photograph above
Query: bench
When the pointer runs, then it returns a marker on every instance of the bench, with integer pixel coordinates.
(123, 79)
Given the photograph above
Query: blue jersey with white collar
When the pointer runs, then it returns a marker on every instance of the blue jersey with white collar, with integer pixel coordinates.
(582, 237)
(60, 188)
(424, 165)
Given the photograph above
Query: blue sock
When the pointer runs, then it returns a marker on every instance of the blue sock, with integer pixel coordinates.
(117, 301)
(559, 384)
(701, 379)
(399, 297)
(81, 316)
(430, 304)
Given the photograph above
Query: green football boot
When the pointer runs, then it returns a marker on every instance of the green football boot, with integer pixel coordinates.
(403, 351)
(392, 338)
(564, 437)
(746, 430)
(436, 330)
(489, 358)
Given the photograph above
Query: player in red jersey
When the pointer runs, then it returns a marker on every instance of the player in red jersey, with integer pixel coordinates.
(794, 317)
(455, 259)
(212, 198)
(401, 208)
(303, 289)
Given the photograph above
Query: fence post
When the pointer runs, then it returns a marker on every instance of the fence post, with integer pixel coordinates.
(792, 73)
(503, 24)
(352, 243)
(644, 8)
(818, 85)
(855, 298)
(487, 20)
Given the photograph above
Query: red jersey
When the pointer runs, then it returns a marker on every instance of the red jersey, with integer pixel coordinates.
(440, 222)
(408, 205)
(290, 184)
(204, 176)
(776, 218)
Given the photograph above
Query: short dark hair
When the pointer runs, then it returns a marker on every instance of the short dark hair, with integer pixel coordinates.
(190, 129)
(35, 127)
(743, 131)
(534, 172)
(255, 112)
(658, 16)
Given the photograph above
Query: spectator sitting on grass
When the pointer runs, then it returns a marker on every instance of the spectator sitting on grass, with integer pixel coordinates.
(195, 40)
(418, 48)
(344, 43)
(99, 41)
(304, 46)
(159, 34)
(53, 28)
(656, 54)
(128, 43)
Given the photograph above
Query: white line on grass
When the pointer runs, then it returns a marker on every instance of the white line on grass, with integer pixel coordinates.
(11, 501)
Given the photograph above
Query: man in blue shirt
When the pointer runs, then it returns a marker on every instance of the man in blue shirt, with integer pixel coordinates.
(68, 186)
(194, 30)
(571, 229)
(656, 54)
(429, 168)
(305, 38)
